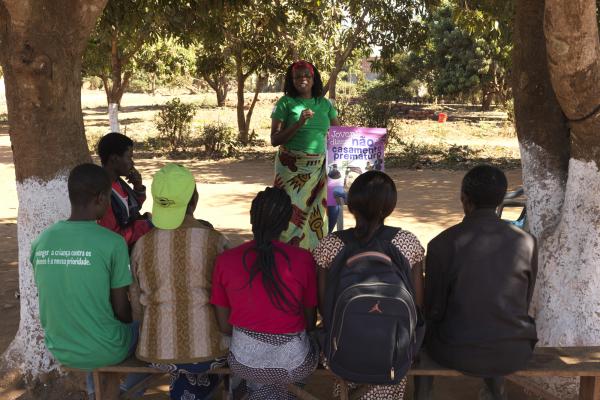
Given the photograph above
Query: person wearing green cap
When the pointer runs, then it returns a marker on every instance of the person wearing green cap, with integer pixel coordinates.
(172, 267)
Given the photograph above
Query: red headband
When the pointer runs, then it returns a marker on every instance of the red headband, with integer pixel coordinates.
(303, 65)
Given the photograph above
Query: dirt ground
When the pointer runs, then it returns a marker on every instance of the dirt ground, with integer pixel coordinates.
(428, 202)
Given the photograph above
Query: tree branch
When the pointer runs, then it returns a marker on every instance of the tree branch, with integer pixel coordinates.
(138, 45)
(346, 48)
(211, 82)
(260, 82)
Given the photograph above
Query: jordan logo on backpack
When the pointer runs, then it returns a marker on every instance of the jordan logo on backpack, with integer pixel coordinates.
(376, 309)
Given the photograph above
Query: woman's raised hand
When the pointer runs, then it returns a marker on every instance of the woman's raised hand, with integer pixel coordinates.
(306, 114)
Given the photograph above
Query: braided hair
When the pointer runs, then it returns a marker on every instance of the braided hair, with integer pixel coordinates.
(269, 215)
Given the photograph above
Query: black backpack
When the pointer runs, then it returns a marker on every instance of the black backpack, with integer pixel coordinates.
(372, 327)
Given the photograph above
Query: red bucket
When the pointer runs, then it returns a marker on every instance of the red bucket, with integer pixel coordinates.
(442, 117)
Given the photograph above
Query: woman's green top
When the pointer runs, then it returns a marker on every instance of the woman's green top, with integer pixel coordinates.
(311, 137)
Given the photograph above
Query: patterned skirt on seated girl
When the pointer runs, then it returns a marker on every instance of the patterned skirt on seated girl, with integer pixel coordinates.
(269, 362)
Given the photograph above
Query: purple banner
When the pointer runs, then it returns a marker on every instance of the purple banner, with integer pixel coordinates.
(350, 152)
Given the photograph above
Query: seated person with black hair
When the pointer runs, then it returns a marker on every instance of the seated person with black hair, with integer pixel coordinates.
(265, 294)
(123, 216)
(479, 279)
(82, 274)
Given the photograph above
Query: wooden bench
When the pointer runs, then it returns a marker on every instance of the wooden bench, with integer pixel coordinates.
(582, 362)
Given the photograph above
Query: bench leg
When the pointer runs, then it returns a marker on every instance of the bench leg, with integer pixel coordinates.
(589, 388)
(106, 385)
(343, 389)
(359, 392)
(143, 385)
(423, 387)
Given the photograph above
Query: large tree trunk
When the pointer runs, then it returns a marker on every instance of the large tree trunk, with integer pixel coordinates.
(560, 168)
(41, 59)
(572, 317)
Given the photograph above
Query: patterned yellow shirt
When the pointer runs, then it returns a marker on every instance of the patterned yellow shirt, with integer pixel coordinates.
(172, 271)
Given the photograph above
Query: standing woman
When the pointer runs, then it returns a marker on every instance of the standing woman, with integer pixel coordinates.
(300, 121)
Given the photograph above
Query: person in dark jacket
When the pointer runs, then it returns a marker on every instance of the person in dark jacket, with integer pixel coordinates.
(123, 216)
(479, 280)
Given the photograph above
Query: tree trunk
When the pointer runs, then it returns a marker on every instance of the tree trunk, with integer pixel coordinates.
(261, 81)
(332, 84)
(119, 83)
(223, 89)
(241, 118)
(243, 132)
(490, 88)
(221, 97)
(571, 317)
(113, 117)
(220, 85)
(486, 100)
(560, 168)
(344, 52)
(41, 59)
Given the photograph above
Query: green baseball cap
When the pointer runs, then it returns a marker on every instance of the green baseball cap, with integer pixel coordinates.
(172, 188)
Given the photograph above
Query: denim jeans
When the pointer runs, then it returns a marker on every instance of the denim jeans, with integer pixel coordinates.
(131, 379)
(334, 211)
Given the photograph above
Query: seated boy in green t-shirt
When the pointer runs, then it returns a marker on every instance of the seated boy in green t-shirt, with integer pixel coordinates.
(82, 274)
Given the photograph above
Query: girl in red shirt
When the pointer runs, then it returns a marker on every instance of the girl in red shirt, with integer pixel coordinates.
(265, 295)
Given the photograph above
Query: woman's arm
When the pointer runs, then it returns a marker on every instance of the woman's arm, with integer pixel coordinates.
(334, 122)
(120, 304)
(223, 319)
(281, 135)
(310, 316)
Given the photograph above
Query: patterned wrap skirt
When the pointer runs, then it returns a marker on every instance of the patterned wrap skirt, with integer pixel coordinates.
(269, 362)
(302, 176)
(191, 381)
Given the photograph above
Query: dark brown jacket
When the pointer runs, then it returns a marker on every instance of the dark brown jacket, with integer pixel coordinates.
(479, 280)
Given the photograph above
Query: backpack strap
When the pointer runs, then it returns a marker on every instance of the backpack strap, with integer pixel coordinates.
(346, 236)
(387, 233)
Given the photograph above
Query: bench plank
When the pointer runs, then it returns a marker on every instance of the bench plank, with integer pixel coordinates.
(546, 361)
(583, 362)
